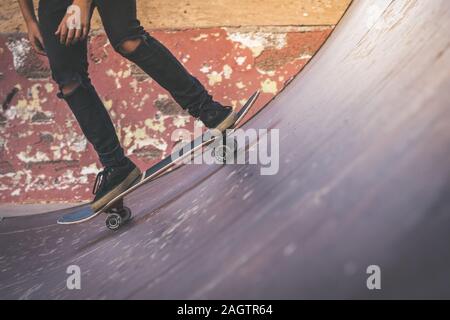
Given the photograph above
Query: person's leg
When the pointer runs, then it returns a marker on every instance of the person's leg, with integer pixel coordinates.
(129, 38)
(69, 67)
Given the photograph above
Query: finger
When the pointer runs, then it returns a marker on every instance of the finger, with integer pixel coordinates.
(85, 33)
(77, 37)
(63, 34)
(58, 31)
(41, 42)
(38, 47)
(41, 49)
(70, 36)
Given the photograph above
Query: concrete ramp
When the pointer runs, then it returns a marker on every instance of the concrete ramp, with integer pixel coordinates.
(364, 179)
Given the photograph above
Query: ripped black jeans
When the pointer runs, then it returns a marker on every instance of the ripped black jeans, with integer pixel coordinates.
(70, 64)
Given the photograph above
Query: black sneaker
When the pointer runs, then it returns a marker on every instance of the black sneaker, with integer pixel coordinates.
(215, 116)
(112, 181)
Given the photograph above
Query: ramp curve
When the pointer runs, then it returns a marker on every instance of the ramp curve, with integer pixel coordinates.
(364, 179)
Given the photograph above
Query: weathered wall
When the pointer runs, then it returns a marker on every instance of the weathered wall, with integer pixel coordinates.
(187, 14)
(43, 155)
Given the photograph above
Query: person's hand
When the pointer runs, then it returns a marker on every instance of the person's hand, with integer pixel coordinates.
(35, 37)
(75, 25)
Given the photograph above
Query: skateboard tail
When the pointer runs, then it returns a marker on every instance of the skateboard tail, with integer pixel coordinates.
(245, 109)
(83, 215)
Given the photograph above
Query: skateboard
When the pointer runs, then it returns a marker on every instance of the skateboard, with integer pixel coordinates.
(118, 214)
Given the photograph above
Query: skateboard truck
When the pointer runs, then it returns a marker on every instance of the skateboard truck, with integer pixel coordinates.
(117, 216)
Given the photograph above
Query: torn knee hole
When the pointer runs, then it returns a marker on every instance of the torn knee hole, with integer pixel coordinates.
(129, 46)
(68, 89)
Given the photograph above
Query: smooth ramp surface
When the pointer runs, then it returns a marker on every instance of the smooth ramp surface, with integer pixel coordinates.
(364, 179)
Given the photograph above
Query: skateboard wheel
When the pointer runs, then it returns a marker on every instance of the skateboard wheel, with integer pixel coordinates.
(125, 214)
(113, 221)
(117, 218)
(225, 151)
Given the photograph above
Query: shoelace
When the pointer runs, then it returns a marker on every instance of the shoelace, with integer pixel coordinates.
(100, 181)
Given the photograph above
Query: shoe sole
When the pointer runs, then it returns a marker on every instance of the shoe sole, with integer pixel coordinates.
(121, 187)
(228, 122)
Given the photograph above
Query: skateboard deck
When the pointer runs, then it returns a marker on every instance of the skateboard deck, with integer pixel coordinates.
(119, 214)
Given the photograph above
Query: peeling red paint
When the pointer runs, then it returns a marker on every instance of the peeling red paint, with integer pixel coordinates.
(43, 155)
(300, 46)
